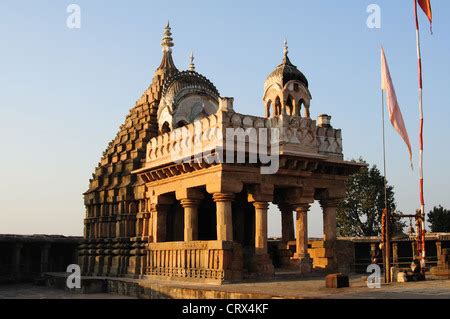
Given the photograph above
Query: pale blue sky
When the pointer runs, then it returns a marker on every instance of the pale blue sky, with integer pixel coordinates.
(64, 93)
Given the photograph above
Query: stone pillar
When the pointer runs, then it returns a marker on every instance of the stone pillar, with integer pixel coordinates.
(287, 223)
(224, 215)
(439, 251)
(302, 231)
(159, 213)
(395, 254)
(44, 257)
(145, 226)
(190, 218)
(261, 227)
(150, 227)
(16, 259)
(329, 207)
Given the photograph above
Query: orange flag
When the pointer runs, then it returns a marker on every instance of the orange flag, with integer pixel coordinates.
(395, 115)
(426, 7)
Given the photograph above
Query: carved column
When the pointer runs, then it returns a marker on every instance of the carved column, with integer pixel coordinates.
(190, 218)
(302, 231)
(439, 251)
(287, 223)
(300, 199)
(224, 215)
(261, 227)
(329, 207)
(151, 218)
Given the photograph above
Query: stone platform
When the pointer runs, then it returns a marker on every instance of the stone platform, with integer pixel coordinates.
(282, 286)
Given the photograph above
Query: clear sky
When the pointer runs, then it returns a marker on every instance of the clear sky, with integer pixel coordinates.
(65, 92)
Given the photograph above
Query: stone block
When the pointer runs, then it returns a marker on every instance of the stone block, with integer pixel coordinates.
(322, 262)
(320, 253)
(401, 277)
(337, 281)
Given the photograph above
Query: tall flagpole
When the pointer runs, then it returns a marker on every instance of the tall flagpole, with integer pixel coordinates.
(387, 244)
(422, 200)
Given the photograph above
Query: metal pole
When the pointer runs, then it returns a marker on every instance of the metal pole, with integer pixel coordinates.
(422, 200)
(387, 248)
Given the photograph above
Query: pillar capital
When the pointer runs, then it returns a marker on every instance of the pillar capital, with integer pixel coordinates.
(188, 202)
(223, 197)
(260, 193)
(261, 205)
(301, 208)
(330, 202)
(300, 196)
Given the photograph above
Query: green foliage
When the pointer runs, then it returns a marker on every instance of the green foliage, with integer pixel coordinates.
(359, 214)
(439, 219)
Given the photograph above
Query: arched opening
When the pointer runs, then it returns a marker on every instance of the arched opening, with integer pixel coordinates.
(277, 106)
(165, 128)
(290, 106)
(301, 103)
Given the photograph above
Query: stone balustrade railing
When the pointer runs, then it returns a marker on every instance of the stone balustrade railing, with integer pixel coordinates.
(330, 141)
(207, 261)
(210, 133)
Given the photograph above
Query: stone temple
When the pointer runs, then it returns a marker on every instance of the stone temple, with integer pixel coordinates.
(161, 205)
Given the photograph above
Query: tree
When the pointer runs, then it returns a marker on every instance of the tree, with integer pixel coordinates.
(359, 214)
(439, 219)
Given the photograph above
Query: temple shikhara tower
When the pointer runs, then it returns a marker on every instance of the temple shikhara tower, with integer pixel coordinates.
(183, 190)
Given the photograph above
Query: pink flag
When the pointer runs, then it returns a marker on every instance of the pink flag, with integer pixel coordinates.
(395, 115)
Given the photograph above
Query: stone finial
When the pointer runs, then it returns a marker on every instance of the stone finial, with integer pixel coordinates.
(286, 48)
(324, 120)
(191, 66)
(167, 40)
(226, 104)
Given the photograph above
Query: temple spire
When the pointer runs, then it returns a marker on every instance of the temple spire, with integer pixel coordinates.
(167, 40)
(191, 62)
(167, 44)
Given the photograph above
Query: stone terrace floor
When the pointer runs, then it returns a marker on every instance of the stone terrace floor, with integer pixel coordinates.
(281, 287)
(314, 288)
(30, 291)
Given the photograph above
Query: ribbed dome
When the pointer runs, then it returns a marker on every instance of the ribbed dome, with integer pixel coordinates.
(285, 72)
(187, 79)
